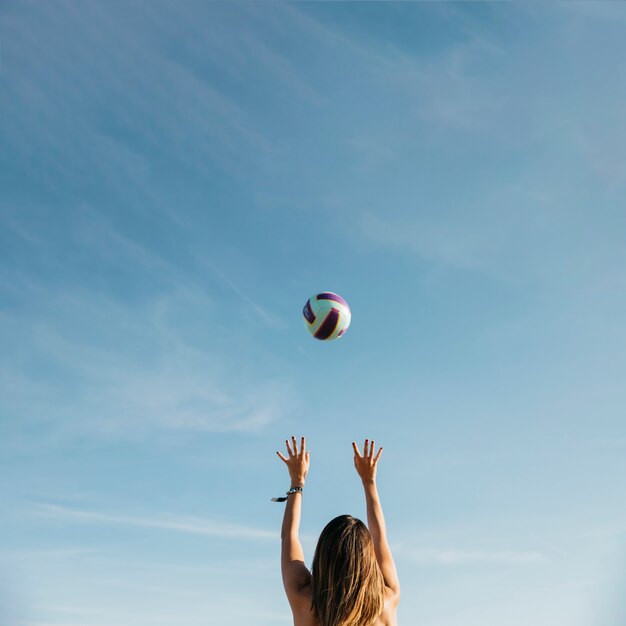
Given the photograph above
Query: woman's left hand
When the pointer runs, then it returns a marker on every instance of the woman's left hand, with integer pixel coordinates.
(297, 462)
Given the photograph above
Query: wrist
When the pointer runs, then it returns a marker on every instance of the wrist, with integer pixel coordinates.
(368, 482)
(297, 483)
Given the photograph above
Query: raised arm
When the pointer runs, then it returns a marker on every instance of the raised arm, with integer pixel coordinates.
(294, 571)
(366, 468)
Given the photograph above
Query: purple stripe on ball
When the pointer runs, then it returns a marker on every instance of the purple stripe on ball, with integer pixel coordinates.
(328, 325)
(327, 295)
(308, 312)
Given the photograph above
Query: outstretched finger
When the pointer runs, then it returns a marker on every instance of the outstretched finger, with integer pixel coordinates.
(356, 449)
(295, 445)
(366, 448)
(302, 445)
(378, 455)
(281, 456)
(289, 451)
(372, 448)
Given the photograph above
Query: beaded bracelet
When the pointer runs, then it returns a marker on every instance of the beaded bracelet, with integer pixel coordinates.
(292, 490)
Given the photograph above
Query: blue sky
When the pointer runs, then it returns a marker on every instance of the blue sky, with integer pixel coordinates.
(176, 181)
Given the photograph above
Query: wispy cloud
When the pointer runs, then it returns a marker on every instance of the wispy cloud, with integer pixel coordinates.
(47, 553)
(465, 102)
(125, 366)
(269, 318)
(462, 557)
(443, 243)
(613, 12)
(188, 525)
(145, 97)
(48, 623)
(125, 370)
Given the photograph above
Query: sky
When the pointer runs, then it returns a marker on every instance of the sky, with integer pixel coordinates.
(176, 179)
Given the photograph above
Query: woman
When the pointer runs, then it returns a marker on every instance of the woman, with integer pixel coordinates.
(353, 580)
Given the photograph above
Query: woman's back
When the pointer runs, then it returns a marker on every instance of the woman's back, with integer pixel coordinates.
(304, 616)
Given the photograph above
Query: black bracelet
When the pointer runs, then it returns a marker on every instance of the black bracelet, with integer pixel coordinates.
(292, 490)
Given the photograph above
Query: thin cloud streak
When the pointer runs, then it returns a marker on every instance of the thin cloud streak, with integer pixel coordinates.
(462, 557)
(187, 525)
(272, 320)
(47, 553)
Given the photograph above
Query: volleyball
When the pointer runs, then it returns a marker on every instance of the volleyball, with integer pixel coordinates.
(326, 316)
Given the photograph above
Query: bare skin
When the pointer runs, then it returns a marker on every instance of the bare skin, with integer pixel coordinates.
(296, 576)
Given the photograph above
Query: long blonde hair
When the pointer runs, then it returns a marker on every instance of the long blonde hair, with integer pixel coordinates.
(346, 583)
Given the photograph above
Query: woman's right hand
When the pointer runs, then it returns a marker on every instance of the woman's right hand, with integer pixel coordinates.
(297, 462)
(365, 464)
